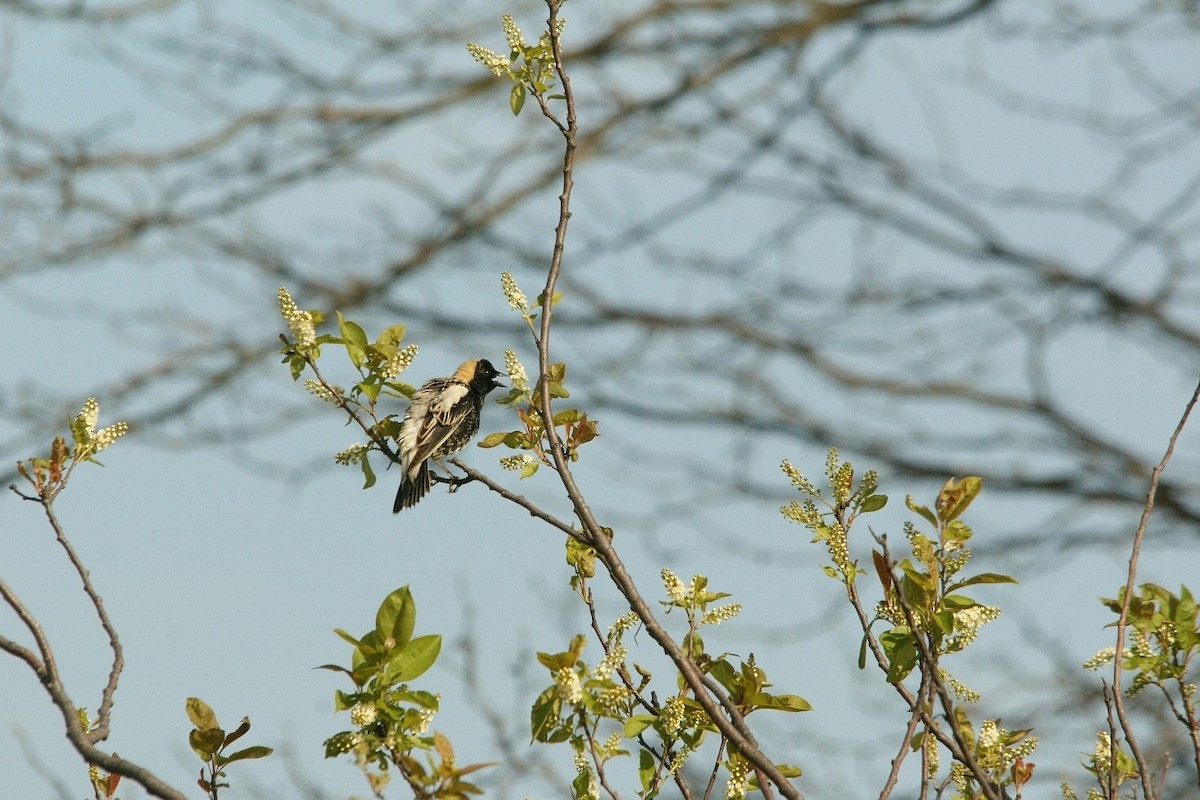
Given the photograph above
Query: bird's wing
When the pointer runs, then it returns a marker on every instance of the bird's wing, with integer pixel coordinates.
(433, 415)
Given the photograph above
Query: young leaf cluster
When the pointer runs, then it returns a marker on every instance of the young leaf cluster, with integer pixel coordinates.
(601, 710)
(391, 720)
(48, 474)
(1165, 644)
(378, 363)
(531, 68)
(210, 742)
(573, 426)
(575, 429)
(927, 617)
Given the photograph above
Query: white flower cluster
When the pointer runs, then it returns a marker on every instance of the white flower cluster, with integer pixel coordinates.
(514, 295)
(354, 454)
(516, 462)
(363, 714)
(675, 588)
(322, 392)
(399, 362)
(99, 439)
(569, 686)
(512, 34)
(625, 622)
(515, 370)
(615, 658)
(716, 616)
(739, 781)
(300, 323)
(496, 63)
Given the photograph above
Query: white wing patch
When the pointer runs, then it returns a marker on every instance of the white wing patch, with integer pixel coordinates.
(446, 400)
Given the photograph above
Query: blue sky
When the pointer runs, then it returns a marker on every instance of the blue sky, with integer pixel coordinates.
(225, 569)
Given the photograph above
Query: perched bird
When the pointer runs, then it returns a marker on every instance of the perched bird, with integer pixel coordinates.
(441, 418)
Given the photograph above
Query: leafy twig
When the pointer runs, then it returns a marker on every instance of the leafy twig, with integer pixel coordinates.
(1127, 598)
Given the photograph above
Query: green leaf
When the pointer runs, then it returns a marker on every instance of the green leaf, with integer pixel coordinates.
(354, 338)
(922, 510)
(347, 637)
(781, 702)
(637, 724)
(390, 336)
(567, 415)
(983, 577)
(873, 503)
(543, 718)
(334, 668)
(901, 653)
(723, 673)
(200, 714)
(369, 652)
(396, 616)
(581, 556)
(344, 700)
(369, 389)
(554, 661)
(916, 587)
(956, 532)
(529, 469)
(296, 365)
(493, 439)
(554, 298)
(414, 659)
(956, 495)
(206, 742)
(368, 473)
(516, 98)
(340, 743)
(237, 734)
(646, 772)
(581, 785)
(257, 751)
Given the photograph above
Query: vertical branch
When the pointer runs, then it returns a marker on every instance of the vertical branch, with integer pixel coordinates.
(1127, 598)
(724, 715)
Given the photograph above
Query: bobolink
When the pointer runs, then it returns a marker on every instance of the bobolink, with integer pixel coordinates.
(441, 418)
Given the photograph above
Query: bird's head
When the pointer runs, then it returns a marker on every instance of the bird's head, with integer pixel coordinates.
(479, 374)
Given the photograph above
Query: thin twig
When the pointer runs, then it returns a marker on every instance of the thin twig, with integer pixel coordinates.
(914, 717)
(533, 510)
(104, 713)
(44, 668)
(1130, 579)
(929, 665)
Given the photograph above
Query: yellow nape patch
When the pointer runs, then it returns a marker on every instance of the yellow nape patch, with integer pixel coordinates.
(466, 370)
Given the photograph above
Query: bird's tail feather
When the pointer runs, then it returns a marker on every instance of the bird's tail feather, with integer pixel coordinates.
(412, 489)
